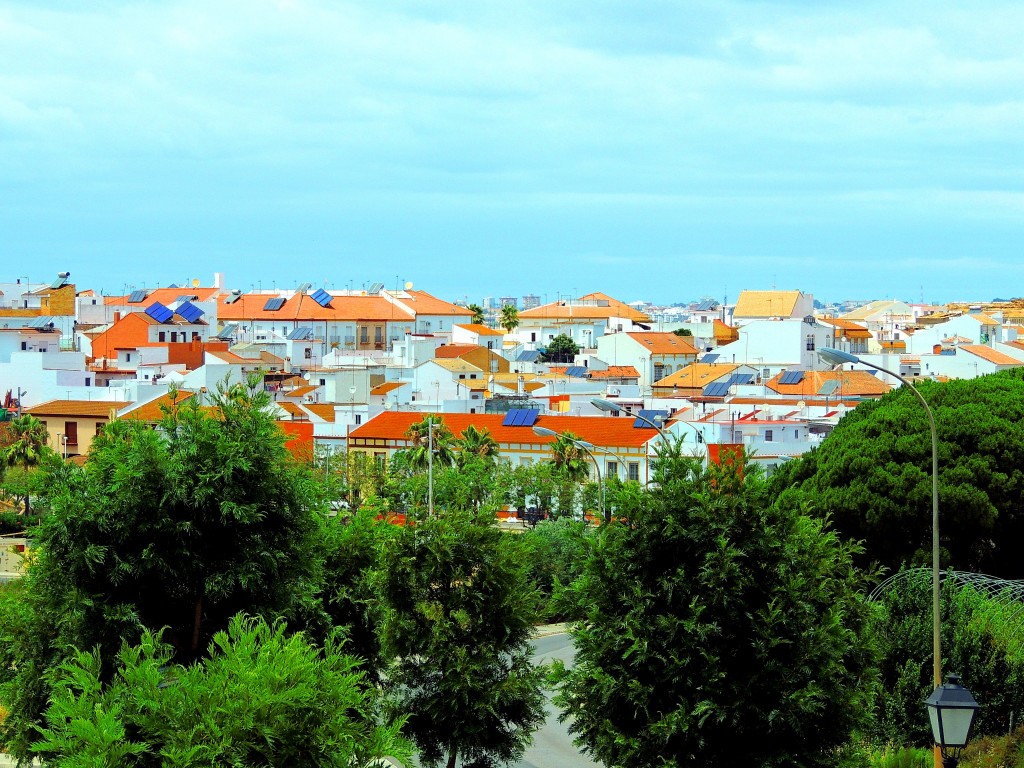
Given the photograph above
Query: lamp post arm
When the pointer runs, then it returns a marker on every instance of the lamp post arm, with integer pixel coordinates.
(936, 640)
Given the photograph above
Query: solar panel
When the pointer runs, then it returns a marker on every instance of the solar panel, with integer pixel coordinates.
(375, 289)
(577, 371)
(716, 389)
(186, 297)
(189, 312)
(741, 378)
(707, 304)
(137, 297)
(304, 287)
(829, 387)
(511, 416)
(791, 377)
(304, 333)
(159, 312)
(709, 358)
(321, 297)
(521, 417)
(227, 332)
(273, 305)
(530, 417)
(529, 356)
(232, 298)
(655, 416)
(40, 323)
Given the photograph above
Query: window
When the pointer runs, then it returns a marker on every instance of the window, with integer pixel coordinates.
(379, 457)
(88, 381)
(99, 426)
(162, 336)
(611, 469)
(810, 342)
(634, 470)
(323, 382)
(364, 335)
(533, 337)
(24, 346)
(768, 436)
(128, 357)
(359, 419)
(378, 335)
(71, 432)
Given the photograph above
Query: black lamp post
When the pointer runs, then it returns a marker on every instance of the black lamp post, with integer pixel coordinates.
(951, 709)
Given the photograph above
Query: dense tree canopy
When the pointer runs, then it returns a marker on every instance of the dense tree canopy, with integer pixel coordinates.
(872, 475)
(561, 349)
(719, 629)
(509, 318)
(179, 527)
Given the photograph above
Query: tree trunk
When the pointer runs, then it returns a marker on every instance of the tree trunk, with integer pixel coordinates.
(197, 622)
(451, 757)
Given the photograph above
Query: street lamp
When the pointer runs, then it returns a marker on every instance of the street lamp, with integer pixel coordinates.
(609, 407)
(836, 357)
(587, 448)
(430, 466)
(951, 709)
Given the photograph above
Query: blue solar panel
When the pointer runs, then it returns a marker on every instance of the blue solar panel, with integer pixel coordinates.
(159, 312)
(655, 416)
(530, 417)
(529, 356)
(829, 387)
(791, 377)
(321, 297)
(190, 312)
(577, 371)
(273, 305)
(521, 417)
(741, 378)
(511, 416)
(709, 358)
(137, 297)
(717, 389)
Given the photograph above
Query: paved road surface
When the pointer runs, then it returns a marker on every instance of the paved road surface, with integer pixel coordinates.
(552, 747)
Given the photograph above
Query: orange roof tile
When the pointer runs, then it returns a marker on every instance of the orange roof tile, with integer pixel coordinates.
(422, 303)
(697, 375)
(387, 386)
(151, 411)
(91, 408)
(766, 303)
(664, 343)
(308, 389)
(450, 351)
(851, 384)
(482, 330)
(616, 372)
(324, 411)
(165, 296)
(851, 329)
(594, 305)
(249, 306)
(605, 431)
(292, 409)
(991, 355)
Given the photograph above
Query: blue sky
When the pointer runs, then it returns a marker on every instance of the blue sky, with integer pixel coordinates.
(651, 150)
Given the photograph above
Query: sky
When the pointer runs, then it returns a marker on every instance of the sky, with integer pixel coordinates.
(655, 150)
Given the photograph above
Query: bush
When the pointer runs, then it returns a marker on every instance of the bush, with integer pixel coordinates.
(555, 552)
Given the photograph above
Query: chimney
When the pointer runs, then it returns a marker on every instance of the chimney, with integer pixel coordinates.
(218, 281)
(117, 317)
(937, 349)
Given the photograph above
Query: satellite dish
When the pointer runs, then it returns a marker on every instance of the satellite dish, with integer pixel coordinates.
(195, 282)
(408, 286)
(801, 404)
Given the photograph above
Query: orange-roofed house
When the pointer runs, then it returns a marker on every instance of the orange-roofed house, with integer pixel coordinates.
(655, 355)
(630, 446)
(483, 358)
(835, 384)
(72, 424)
(691, 381)
(470, 333)
(847, 336)
(584, 320)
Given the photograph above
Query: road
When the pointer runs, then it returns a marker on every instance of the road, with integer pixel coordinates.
(552, 747)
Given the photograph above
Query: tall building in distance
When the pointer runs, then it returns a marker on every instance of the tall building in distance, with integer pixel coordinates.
(530, 301)
(506, 300)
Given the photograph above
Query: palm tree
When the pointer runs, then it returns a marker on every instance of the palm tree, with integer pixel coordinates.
(29, 446)
(509, 318)
(476, 444)
(419, 451)
(569, 459)
(478, 314)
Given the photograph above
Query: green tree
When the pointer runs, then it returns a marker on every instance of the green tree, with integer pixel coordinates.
(683, 332)
(872, 475)
(418, 454)
(478, 314)
(458, 614)
(261, 697)
(478, 445)
(180, 527)
(720, 629)
(509, 319)
(561, 349)
(556, 551)
(27, 448)
(569, 459)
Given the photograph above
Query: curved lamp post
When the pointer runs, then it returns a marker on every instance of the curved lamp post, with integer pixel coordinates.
(609, 407)
(587, 448)
(837, 357)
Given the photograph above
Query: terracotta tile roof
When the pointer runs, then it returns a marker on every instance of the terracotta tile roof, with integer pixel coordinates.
(897, 344)
(616, 372)
(151, 411)
(983, 319)
(664, 343)
(232, 359)
(324, 411)
(590, 309)
(308, 389)
(725, 333)
(474, 385)
(449, 351)
(90, 408)
(697, 375)
(851, 330)
(481, 330)
(605, 431)
(766, 304)
(991, 355)
(422, 303)
(293, 410)
(387, 386)
(851, 384)
(249, 306)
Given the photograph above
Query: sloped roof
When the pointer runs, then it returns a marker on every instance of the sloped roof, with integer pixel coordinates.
(663, 343)
(88, 408)
(481, 330)
(616, 372)
(450, 351)
(849, 384)
(991, 355)
(323, 411)
(697, 375)
(387, 386)
(151, 411)
(165, 296)
(422, 303)
(300, 307)
(457, 365)
(766, 304)
(851, 330)
(605, 431)
(591, 306)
